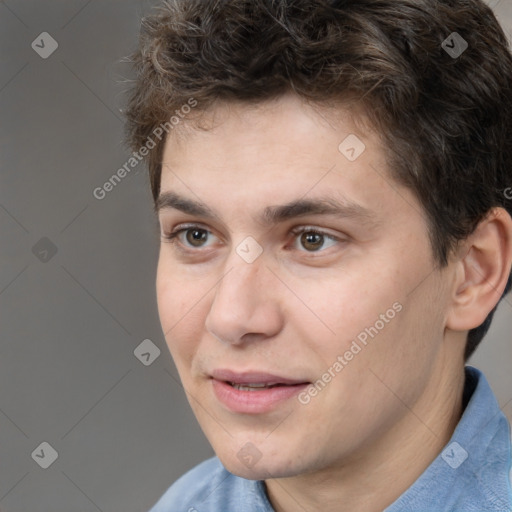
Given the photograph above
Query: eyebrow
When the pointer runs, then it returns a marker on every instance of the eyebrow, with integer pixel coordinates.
(272, 214)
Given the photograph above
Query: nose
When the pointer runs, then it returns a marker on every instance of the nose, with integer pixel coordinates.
(245, 306)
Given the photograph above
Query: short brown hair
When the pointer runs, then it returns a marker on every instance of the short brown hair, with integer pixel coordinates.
(445, 117)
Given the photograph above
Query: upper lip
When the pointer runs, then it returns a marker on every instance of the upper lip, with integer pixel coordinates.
(253, 377)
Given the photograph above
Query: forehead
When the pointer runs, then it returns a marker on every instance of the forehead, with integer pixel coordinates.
(274, 153)
(282, 132)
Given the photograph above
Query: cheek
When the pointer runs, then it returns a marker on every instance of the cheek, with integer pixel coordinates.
(347, 304)
(400, 357)
(366, 316)
(176, 292)
(179, 309)
(169, 302)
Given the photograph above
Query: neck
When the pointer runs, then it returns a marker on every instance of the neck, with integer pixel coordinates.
(374, 478)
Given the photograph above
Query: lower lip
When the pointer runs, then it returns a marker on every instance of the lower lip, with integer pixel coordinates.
(255, 402)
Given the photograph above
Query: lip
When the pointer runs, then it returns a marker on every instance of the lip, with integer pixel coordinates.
(254, 402)
(253, 377)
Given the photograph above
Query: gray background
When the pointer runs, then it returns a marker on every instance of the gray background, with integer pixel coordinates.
(70, 321)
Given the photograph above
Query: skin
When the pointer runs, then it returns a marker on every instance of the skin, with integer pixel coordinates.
(370, 433)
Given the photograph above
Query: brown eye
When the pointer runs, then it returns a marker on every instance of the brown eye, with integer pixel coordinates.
(195, 237)
(312, 241)
(190, 237)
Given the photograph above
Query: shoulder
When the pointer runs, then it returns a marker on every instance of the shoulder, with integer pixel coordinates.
(209, 487)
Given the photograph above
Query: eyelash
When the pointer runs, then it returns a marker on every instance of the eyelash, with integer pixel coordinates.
(173, 236)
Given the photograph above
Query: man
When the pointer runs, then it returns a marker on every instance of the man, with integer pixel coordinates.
(332, 181)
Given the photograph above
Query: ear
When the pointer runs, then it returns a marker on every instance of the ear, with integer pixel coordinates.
(483, 268)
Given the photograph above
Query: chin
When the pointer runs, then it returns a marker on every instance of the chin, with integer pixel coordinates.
(253, 466)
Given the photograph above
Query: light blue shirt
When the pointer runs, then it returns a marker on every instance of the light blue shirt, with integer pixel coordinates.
(471, 474)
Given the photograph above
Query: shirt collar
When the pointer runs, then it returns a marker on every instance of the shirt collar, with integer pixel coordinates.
(472, 471)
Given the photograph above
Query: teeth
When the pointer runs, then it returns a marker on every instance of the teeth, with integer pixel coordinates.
(251, 387)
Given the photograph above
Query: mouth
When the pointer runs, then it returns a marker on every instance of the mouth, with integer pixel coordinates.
(254, 392)
(254, 387)
(254, 380)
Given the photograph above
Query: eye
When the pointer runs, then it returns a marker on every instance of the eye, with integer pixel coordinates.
(190, 236)
(314, 240)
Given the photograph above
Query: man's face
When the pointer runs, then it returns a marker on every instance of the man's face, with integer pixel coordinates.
(354, 301)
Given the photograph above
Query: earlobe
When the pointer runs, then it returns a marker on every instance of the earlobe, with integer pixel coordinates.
(482, 272)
